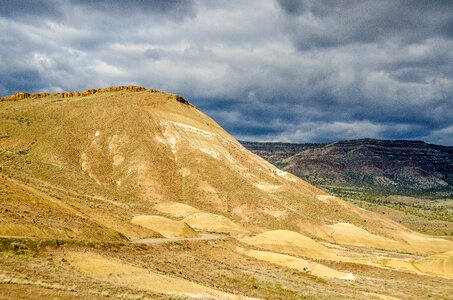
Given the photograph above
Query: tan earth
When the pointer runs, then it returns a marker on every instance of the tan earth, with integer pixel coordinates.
(108, 171)
(103, 268)
(379, 296)
(437, 265)
(167, 227)
(175, 209)
(297, 263)
(349, 234)
(213, 223)
(285, 241)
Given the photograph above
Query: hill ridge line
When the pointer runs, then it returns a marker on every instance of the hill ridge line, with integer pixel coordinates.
(129, 88)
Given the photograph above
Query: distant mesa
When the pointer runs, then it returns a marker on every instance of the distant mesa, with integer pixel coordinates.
(384, 166)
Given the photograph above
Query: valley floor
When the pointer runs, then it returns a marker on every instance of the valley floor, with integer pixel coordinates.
(422, 214)
(70, 269)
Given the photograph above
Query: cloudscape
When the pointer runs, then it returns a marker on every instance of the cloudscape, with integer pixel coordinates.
(291, 71)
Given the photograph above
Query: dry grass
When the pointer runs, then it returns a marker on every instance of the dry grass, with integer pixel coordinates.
(75, 169)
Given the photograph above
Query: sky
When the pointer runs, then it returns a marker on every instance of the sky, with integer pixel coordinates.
(265, 70)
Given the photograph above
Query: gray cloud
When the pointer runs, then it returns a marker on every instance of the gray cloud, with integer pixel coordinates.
(26, 8)
(294, 71)
(330, 23)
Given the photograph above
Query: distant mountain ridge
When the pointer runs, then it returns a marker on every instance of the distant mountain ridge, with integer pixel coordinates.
(388, 166)
(276, 153)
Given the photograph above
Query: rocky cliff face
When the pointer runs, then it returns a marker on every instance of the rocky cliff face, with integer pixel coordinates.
(88, 92)
(412, 167)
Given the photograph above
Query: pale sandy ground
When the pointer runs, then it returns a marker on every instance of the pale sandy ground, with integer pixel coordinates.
(111, 270)
(167, 227)
(379, 296)
(282, 245)
(300, 264)
(437, 265)
(175, 209)
(412, 242)
(291, 242)
(213, 223)
(349, 234)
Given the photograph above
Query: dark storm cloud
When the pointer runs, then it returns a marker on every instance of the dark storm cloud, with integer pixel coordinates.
(265, 70)
(175, 8)
(26, 8)
(333, 23)
(55, 8)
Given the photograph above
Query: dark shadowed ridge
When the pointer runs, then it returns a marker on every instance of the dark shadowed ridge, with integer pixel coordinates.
(384, 166)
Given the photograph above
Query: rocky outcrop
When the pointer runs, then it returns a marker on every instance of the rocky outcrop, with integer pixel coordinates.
(181, 99)
(15, 97)
(126, 88)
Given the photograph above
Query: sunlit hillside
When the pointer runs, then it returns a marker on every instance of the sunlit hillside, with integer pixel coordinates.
(127, 192)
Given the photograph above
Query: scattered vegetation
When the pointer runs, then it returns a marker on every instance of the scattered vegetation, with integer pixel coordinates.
(93, 160)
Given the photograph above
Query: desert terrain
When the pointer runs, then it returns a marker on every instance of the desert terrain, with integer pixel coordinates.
(132, 193)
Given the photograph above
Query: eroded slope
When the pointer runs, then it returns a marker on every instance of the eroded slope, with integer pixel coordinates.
(129, 164)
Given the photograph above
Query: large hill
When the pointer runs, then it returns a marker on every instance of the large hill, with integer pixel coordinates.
(383, 166)
(130, 192)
